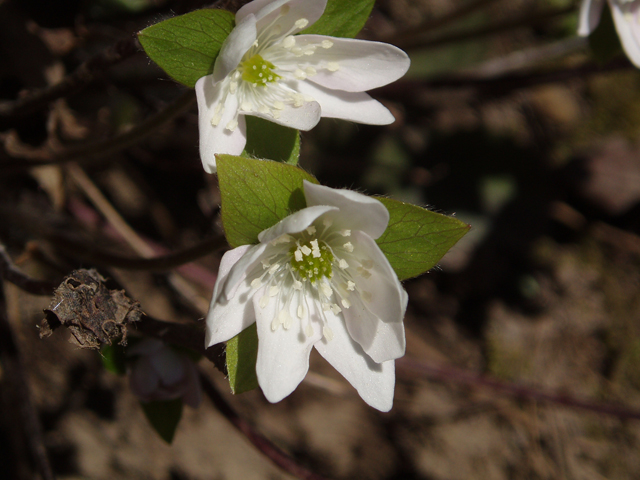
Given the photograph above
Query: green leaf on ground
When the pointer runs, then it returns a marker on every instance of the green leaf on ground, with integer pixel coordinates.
(164, 416)
(242, 353)
(342, 18)
(269, 140)
(186, 47)
(416, 238)
(257, 194)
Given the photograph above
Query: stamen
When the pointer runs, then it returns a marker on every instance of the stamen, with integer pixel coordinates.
(311, 230)
(299, 74)
(289, 42)
(273, 291)
(333, 66)
(301, 23)
(256, 283)
(351, 286)
(345, 303)
(343, 264)
(264, 301)
(308, 331)
(348, 247)
(302, 312)
(328, 334)
(326, 44)
(232, 125)
(345, 233)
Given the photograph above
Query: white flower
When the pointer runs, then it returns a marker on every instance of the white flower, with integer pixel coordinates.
(626, 16)
(317, 279)
(159, 373)
(266, 71)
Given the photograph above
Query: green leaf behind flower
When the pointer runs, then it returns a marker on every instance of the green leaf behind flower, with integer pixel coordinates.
(242, 353)
(114, 358)
(269, 140)
(164, 416)
(416, 238)
(257, 194)
(342, 18)
(186, 47)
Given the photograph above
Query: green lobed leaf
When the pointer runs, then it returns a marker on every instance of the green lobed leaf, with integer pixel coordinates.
(416, 238)
(241, 354)
(186, 46)
(342, 18)
(269, 140)
(164, 416)
(257, 194)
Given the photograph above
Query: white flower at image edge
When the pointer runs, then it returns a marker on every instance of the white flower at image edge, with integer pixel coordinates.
(626, 17)
(317, 279)
(158, 373)
(266, 71)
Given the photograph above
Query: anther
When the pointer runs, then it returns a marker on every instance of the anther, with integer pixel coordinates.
(301, 23)
(333, 66)
(328, 334)
(326, 44)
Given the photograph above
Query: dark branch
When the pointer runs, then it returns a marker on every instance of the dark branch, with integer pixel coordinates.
(17, 391)
(72, 83)
(273, 453)
(10, 273)
(449, 375)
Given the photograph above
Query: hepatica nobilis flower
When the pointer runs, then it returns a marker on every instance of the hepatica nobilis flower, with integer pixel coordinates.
(265, 70)
(626, 17)
(317, 279)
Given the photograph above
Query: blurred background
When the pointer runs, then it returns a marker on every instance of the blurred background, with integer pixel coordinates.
(506, 119)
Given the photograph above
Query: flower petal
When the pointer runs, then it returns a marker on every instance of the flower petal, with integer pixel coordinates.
(266, 12)
(625, 18)
(589, 16)
(231, 309)
(241, 38)
(283, 355)
(356, 107)
(357, 211)
(374, 319)
(304, 117)
(362, 64)
(373, 381)
(217, 139)
(192, 394)
(294, 223)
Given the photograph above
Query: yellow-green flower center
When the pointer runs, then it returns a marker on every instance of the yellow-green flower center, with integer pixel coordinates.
(258, 71)
(312, 260)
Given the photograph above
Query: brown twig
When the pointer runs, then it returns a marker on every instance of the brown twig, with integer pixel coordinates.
(182, 335)
(72, 83)
(17, 391)
(264, 445)
(10, 273)
(448, 374)
(110, 146)
(436, 23)
(501, 26)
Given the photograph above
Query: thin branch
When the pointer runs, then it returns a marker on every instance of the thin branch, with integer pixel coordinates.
(524, 20)
(182, 335)
(10, 273)
(264, 445)
(71, 84)
(15, 384)
(110, 146)
(500, 85)
(447, 374)
(434, 24)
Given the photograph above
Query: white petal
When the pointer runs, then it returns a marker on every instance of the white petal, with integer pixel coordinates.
(229, 259)
(626, 22)
(304, 117)
(266, 11)
(217, 139)
(283, 355)
(357, 211)
(373, 381)
(363, 65)
(356, 107)
(231, 309)
(387, 298)
(294, 223)
(241, 38)
(589, 16)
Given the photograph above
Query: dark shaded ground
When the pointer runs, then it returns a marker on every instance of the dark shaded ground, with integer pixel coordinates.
(543, 291)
